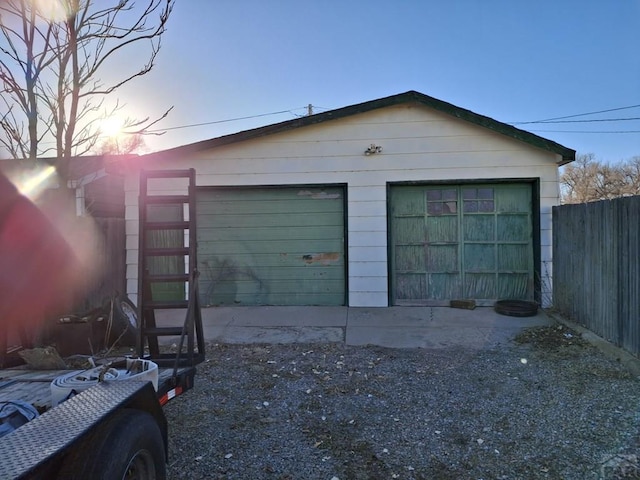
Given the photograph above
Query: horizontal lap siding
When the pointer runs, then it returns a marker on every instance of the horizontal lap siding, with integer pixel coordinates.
(418, 145)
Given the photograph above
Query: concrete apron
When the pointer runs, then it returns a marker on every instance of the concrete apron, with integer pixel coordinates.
(398, 327)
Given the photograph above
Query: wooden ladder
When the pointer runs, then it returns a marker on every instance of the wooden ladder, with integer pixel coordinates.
(167, 260)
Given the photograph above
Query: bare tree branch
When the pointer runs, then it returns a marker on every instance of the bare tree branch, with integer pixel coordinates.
(55, 74)
(588, 180)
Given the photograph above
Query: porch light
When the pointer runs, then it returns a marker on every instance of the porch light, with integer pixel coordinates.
(373, 148)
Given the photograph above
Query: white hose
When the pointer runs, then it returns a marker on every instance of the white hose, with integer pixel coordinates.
(72, 383)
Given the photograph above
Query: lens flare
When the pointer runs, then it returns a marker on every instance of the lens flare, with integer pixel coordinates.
(112, 126)
(51, 10)
(33, 185)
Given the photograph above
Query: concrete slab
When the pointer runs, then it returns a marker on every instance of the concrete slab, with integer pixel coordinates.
(285, 334)
(398, 327)
(435, 327)
(269, 316)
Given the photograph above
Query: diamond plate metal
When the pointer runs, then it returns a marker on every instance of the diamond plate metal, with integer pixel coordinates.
(25, 450)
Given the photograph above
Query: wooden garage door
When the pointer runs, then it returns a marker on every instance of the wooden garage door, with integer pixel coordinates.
(271, 246)
(461, 242)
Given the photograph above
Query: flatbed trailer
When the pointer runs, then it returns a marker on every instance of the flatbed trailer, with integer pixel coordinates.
(115, 429)
(33, 386)
(112, 430)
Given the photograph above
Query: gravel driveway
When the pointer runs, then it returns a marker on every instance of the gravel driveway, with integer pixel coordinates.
(547, 405)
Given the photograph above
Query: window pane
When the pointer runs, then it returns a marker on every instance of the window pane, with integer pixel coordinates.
(449, 195)
(450, 207)
(469, 193)
(470, 206)
(485, 206)
(434, 208)
(434, 195)
(485, 193)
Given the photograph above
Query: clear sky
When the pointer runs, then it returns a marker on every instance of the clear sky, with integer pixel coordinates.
(514, 61)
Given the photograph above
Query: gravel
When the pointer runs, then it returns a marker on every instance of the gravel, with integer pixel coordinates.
(547, 405)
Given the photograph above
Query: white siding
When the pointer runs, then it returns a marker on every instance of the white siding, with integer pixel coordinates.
(419, 144)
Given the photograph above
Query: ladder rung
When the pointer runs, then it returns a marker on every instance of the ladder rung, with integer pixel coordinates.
(166, 252)
(165, 304)
(149, 249)
(164, 199)
(176, 277)
(162, 331)
(167, 225)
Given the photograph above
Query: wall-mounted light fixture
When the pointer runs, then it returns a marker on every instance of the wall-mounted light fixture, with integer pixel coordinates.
(373, 148)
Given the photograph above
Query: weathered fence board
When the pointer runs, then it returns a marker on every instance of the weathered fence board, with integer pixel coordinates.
(110, 252)
(596, 270)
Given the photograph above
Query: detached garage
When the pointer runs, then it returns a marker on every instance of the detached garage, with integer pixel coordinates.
(404, 200)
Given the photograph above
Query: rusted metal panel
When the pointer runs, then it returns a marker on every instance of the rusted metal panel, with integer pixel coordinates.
(596, 250)
(272, 246)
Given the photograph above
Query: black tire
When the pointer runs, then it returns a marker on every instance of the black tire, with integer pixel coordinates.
(516, 308)
(125, 322)
(128, 446)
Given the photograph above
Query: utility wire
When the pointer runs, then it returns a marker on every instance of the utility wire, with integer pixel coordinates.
(178, 127)
(591, 120)
(577, 115)
(549, 120)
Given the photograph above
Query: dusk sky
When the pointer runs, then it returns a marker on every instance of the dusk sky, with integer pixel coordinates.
(514, 61)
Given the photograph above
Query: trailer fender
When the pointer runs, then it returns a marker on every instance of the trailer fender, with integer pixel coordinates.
(128, 445)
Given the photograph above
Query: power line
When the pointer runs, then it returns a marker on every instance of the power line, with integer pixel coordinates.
(577, 115)
(592, 120)
(309, 110)
(178, 127)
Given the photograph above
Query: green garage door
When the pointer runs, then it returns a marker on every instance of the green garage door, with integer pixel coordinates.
(461, 242)
(271, 246)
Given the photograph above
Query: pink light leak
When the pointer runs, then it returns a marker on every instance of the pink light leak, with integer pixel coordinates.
(41, 274)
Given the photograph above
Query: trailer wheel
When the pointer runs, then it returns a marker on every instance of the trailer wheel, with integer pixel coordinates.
(125, 319)
(128, 447)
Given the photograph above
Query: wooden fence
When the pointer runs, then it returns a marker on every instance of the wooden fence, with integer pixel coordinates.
(110, 253)
(596, 268)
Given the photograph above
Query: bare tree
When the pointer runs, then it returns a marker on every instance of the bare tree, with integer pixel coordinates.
(60, 70)
(588, 179)
(578, 179)
(631, 173)
(121, 144)
(26, 54)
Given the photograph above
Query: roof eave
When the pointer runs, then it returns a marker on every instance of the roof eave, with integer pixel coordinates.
(567, 154)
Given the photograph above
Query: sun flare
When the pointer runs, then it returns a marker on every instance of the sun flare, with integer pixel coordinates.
(34, 184)
(111, 127)
(53, 10)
